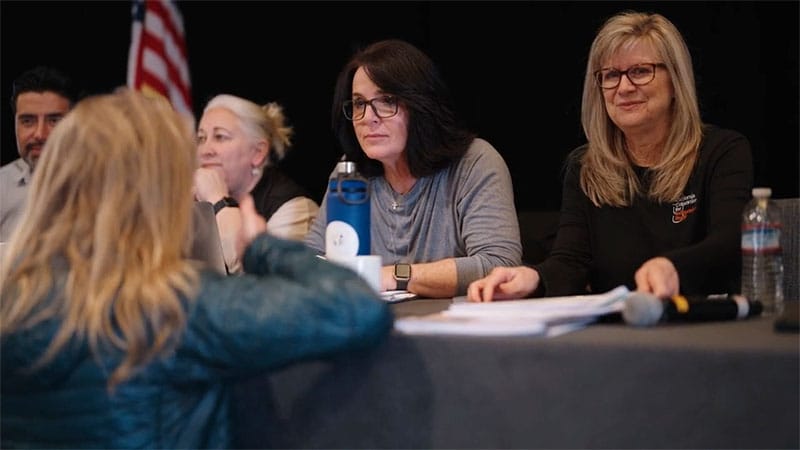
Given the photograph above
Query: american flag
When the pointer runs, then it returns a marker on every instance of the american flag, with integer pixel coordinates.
(157, 60)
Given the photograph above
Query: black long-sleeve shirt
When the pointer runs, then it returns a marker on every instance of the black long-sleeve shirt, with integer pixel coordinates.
(601, 248)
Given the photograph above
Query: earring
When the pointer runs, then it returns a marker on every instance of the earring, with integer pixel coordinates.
(255, 171)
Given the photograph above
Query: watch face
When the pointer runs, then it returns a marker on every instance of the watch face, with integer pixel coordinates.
(402, 271)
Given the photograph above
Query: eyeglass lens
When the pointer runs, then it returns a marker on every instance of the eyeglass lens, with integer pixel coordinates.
(383, 107)
(638, 74)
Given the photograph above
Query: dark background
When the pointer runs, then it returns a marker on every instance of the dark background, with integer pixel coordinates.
(515, 68)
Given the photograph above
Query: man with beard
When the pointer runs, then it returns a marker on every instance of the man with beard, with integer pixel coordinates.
(40, 98)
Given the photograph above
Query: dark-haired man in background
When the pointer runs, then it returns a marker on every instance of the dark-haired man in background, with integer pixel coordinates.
(40, 97)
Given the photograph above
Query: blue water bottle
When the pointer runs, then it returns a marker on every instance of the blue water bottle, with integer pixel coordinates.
(348, 231)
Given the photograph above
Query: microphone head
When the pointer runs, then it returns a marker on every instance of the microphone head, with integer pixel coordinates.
(642, 309)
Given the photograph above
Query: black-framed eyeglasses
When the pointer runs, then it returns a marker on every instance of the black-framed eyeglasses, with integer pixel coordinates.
(638, 74)
(384, 106)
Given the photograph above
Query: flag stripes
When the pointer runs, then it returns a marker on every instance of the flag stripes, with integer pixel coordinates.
(157, 59)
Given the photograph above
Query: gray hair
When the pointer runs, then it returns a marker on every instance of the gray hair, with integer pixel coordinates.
(259, 122)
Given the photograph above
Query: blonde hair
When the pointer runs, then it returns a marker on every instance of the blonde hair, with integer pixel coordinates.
(265, 122)
(607, 175)
(111, 203)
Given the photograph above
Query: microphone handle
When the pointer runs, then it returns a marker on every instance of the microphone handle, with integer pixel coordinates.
(729, 307)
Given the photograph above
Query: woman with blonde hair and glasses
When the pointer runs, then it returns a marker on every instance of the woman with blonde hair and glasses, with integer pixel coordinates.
(653, 200)
(111, 338)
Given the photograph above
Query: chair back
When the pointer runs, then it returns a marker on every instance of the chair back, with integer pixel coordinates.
(537, 231)
(206, 243)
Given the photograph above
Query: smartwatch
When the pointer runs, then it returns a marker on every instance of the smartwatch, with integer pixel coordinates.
(224, 203)
(402, 274)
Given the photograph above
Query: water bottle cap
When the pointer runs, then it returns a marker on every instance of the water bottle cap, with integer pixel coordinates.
(762, 192)
(346, 167)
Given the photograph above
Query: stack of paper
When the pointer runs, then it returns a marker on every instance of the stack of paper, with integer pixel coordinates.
(546, 316)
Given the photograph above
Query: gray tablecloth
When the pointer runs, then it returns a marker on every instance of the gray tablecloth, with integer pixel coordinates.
(710, 385)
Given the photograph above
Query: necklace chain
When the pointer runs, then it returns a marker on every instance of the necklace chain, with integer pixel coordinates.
(397, 205)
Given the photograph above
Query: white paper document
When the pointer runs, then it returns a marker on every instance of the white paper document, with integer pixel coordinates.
(550, 316)
(443, 323)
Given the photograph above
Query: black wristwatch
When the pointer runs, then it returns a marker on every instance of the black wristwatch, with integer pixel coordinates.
(225, 202)
(402, 274)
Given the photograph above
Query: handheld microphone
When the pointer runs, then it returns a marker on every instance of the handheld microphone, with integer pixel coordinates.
(643, 310)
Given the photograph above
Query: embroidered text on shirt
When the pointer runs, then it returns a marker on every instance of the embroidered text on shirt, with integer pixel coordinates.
(683, 207)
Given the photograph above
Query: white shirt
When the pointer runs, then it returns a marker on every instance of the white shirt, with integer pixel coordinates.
(15, 178)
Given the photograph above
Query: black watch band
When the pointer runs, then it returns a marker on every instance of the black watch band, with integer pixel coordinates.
(402, 275)
(225, 202)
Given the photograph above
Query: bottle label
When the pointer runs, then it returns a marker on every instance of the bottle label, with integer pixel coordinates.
(341, 240)
(761, 239)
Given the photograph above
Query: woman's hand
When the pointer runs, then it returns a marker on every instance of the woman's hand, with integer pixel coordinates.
(504, 283)
(209, 185)
(659, 277)
(253, 224)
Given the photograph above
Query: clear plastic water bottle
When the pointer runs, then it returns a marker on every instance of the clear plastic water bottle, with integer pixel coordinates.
(348, 230)
(762, 258)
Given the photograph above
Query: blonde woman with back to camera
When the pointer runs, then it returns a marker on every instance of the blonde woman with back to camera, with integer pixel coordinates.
(240, 144)
(111, 338)
(653, 200)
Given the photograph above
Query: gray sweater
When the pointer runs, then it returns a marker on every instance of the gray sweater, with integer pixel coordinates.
(465, 211)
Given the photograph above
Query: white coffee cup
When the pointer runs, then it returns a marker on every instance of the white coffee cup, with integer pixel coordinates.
(368, 266)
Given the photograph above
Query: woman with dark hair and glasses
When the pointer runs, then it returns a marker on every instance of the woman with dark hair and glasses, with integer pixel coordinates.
(653, 200)
(442, 203)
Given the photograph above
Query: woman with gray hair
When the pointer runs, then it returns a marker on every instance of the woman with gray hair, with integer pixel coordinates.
(238, 144)
(653, 200)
